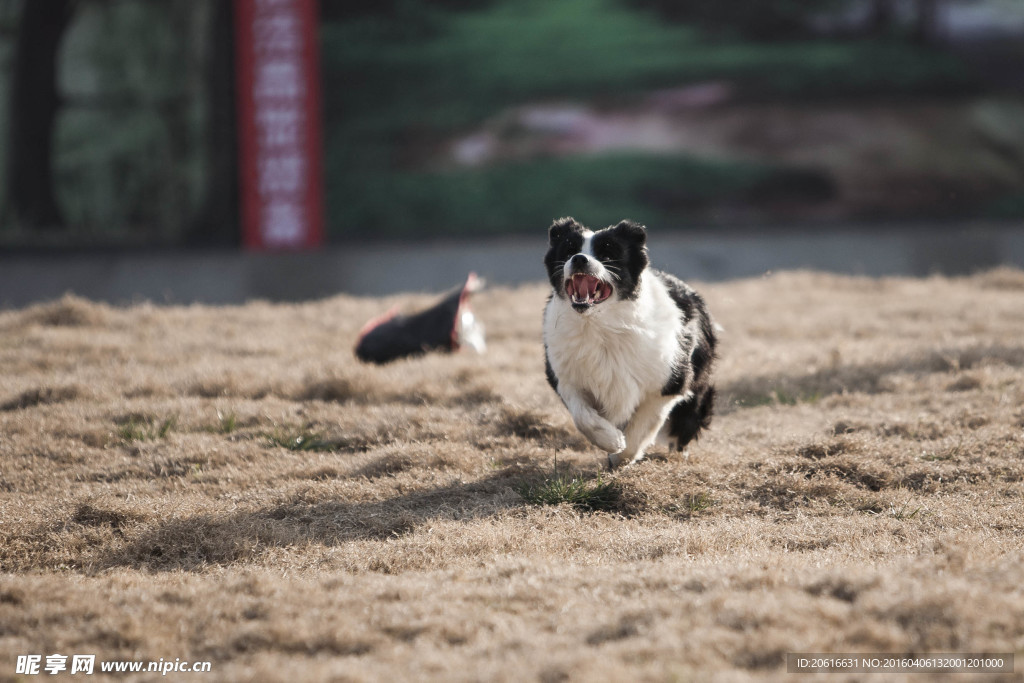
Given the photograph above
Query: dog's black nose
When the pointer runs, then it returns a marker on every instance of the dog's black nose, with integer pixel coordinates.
(578, 262)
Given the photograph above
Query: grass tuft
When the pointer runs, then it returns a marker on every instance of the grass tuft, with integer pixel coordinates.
(690, 504)
(904, 511)
(228, 422)
(697, 502)
(300, 440)
(146, 429)
(580, 492)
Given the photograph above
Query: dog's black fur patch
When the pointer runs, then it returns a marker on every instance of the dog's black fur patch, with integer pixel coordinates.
(549, 371)
(565, 238)
(694, 372)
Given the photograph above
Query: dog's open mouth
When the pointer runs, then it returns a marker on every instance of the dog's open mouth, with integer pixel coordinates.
(586, 290)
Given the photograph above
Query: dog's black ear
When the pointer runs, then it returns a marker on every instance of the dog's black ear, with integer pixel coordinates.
(631, 232)
(562, 227)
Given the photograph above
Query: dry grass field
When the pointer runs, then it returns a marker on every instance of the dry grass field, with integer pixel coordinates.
(227, 484)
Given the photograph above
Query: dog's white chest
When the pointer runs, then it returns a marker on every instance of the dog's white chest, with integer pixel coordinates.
(620, 354)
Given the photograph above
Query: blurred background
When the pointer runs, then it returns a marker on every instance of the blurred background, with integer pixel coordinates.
(473, 119)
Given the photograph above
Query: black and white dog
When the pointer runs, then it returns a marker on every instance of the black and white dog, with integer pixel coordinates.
(628, 348)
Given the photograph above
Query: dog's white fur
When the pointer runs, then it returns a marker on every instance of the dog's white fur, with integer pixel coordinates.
(613, 361)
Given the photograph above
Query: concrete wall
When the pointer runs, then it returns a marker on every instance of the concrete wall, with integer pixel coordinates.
(227, 277)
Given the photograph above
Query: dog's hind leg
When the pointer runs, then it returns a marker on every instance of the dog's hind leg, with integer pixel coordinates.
(643, 428)
(690, 416)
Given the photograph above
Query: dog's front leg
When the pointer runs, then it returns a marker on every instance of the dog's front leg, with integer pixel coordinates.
(643, 428)
(599, 430)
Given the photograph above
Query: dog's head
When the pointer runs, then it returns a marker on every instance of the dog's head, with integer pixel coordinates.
(588, 268)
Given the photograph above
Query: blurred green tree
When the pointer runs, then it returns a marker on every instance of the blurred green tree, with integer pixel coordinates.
(119, 121)
(788, 19)
(756, 19)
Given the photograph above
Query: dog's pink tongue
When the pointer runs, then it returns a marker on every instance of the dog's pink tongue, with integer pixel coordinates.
(585, 285)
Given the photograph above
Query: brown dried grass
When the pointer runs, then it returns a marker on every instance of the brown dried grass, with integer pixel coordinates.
(861, 490)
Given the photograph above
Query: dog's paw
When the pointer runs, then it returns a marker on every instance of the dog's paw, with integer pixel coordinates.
(601, 432)
(616, 460)
(609, 439)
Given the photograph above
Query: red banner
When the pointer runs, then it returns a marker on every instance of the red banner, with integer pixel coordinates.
(279, 123)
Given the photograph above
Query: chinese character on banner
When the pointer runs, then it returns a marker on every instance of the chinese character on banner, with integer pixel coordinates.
(280, 158)
(28, 665)
(82, 663)
(56, 663)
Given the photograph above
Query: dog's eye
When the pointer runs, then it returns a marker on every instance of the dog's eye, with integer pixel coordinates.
(606, 250)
